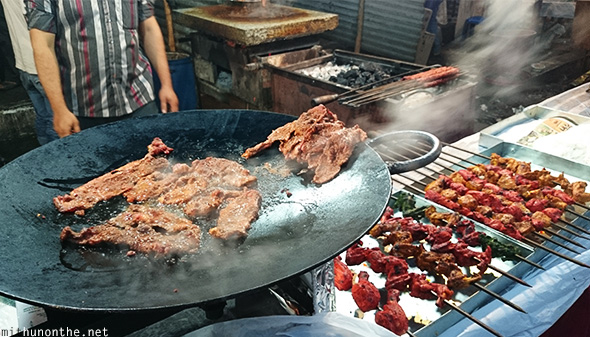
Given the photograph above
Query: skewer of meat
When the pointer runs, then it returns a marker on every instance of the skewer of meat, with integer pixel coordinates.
(476, 166)
(509, 220)
(444, 258)
(477, 183)
(399, 279)
(440, 238)
(471, 192)
(403, 231)
(392, 317)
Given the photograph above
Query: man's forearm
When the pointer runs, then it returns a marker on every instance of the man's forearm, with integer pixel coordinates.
(48, 68)
(153, 44)
(64, 121)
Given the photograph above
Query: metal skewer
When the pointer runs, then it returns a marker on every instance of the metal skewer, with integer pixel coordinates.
(548, 230)
(577, 214)
(546, 238)
(468, 315)
(524, 259)
(470, 152)
(582, 205)
(510, 276)
(533, 243)
(563, 228)
(575, 226)
(498, 297)
(383, 92)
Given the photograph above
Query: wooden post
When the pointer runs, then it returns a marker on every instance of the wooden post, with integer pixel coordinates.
(169, 27)
(359, 26)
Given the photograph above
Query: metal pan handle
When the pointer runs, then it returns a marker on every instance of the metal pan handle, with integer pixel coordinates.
(406, 150)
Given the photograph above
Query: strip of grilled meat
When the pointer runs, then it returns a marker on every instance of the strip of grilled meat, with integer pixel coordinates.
(141, 229)
(317, 138)
(115, 182)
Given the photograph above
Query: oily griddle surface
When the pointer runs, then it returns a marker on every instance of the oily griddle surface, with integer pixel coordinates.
(292, 235)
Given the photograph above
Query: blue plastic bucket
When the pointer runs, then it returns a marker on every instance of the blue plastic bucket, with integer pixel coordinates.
(183, 81)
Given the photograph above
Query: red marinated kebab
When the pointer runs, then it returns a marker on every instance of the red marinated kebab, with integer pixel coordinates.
(507, 195)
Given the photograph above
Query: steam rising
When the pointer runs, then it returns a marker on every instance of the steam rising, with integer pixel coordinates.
(494, 58)
(502, 46)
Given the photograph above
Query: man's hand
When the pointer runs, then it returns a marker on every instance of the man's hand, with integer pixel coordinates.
(168, 100)
(65, 123)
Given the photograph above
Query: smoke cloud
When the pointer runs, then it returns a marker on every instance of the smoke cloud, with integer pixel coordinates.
(493, 58)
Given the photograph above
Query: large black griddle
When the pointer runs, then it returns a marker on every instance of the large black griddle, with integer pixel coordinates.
(293, 234)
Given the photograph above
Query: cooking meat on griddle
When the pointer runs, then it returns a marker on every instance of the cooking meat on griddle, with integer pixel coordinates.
(141, 229)
(317, 138)
(235, 218)
(206, 184)
(210, 189)
(115, 182)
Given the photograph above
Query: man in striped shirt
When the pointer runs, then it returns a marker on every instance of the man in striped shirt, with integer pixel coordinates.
(91, 60)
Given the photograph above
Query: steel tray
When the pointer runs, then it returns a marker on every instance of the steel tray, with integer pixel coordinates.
(532, 113)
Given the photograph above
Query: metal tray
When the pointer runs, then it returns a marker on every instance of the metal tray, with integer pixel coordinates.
(436, 320)
(535, 112)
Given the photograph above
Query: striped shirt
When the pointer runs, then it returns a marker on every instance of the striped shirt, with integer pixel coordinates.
(104, 71)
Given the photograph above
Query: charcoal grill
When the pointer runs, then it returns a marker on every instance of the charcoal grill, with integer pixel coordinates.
(293, 92)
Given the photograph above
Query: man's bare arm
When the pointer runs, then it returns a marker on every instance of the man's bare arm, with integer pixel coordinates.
(153, 44)
(64, 121)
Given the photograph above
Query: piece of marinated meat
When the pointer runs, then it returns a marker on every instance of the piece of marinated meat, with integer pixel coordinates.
(392, 317)
(206, 185)
(158, 147)
(317, 138)
(235, 219)
(364, 293)
(114, 183)
(342, 275)
(155, 184)
(144, 229)
(205, 204)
